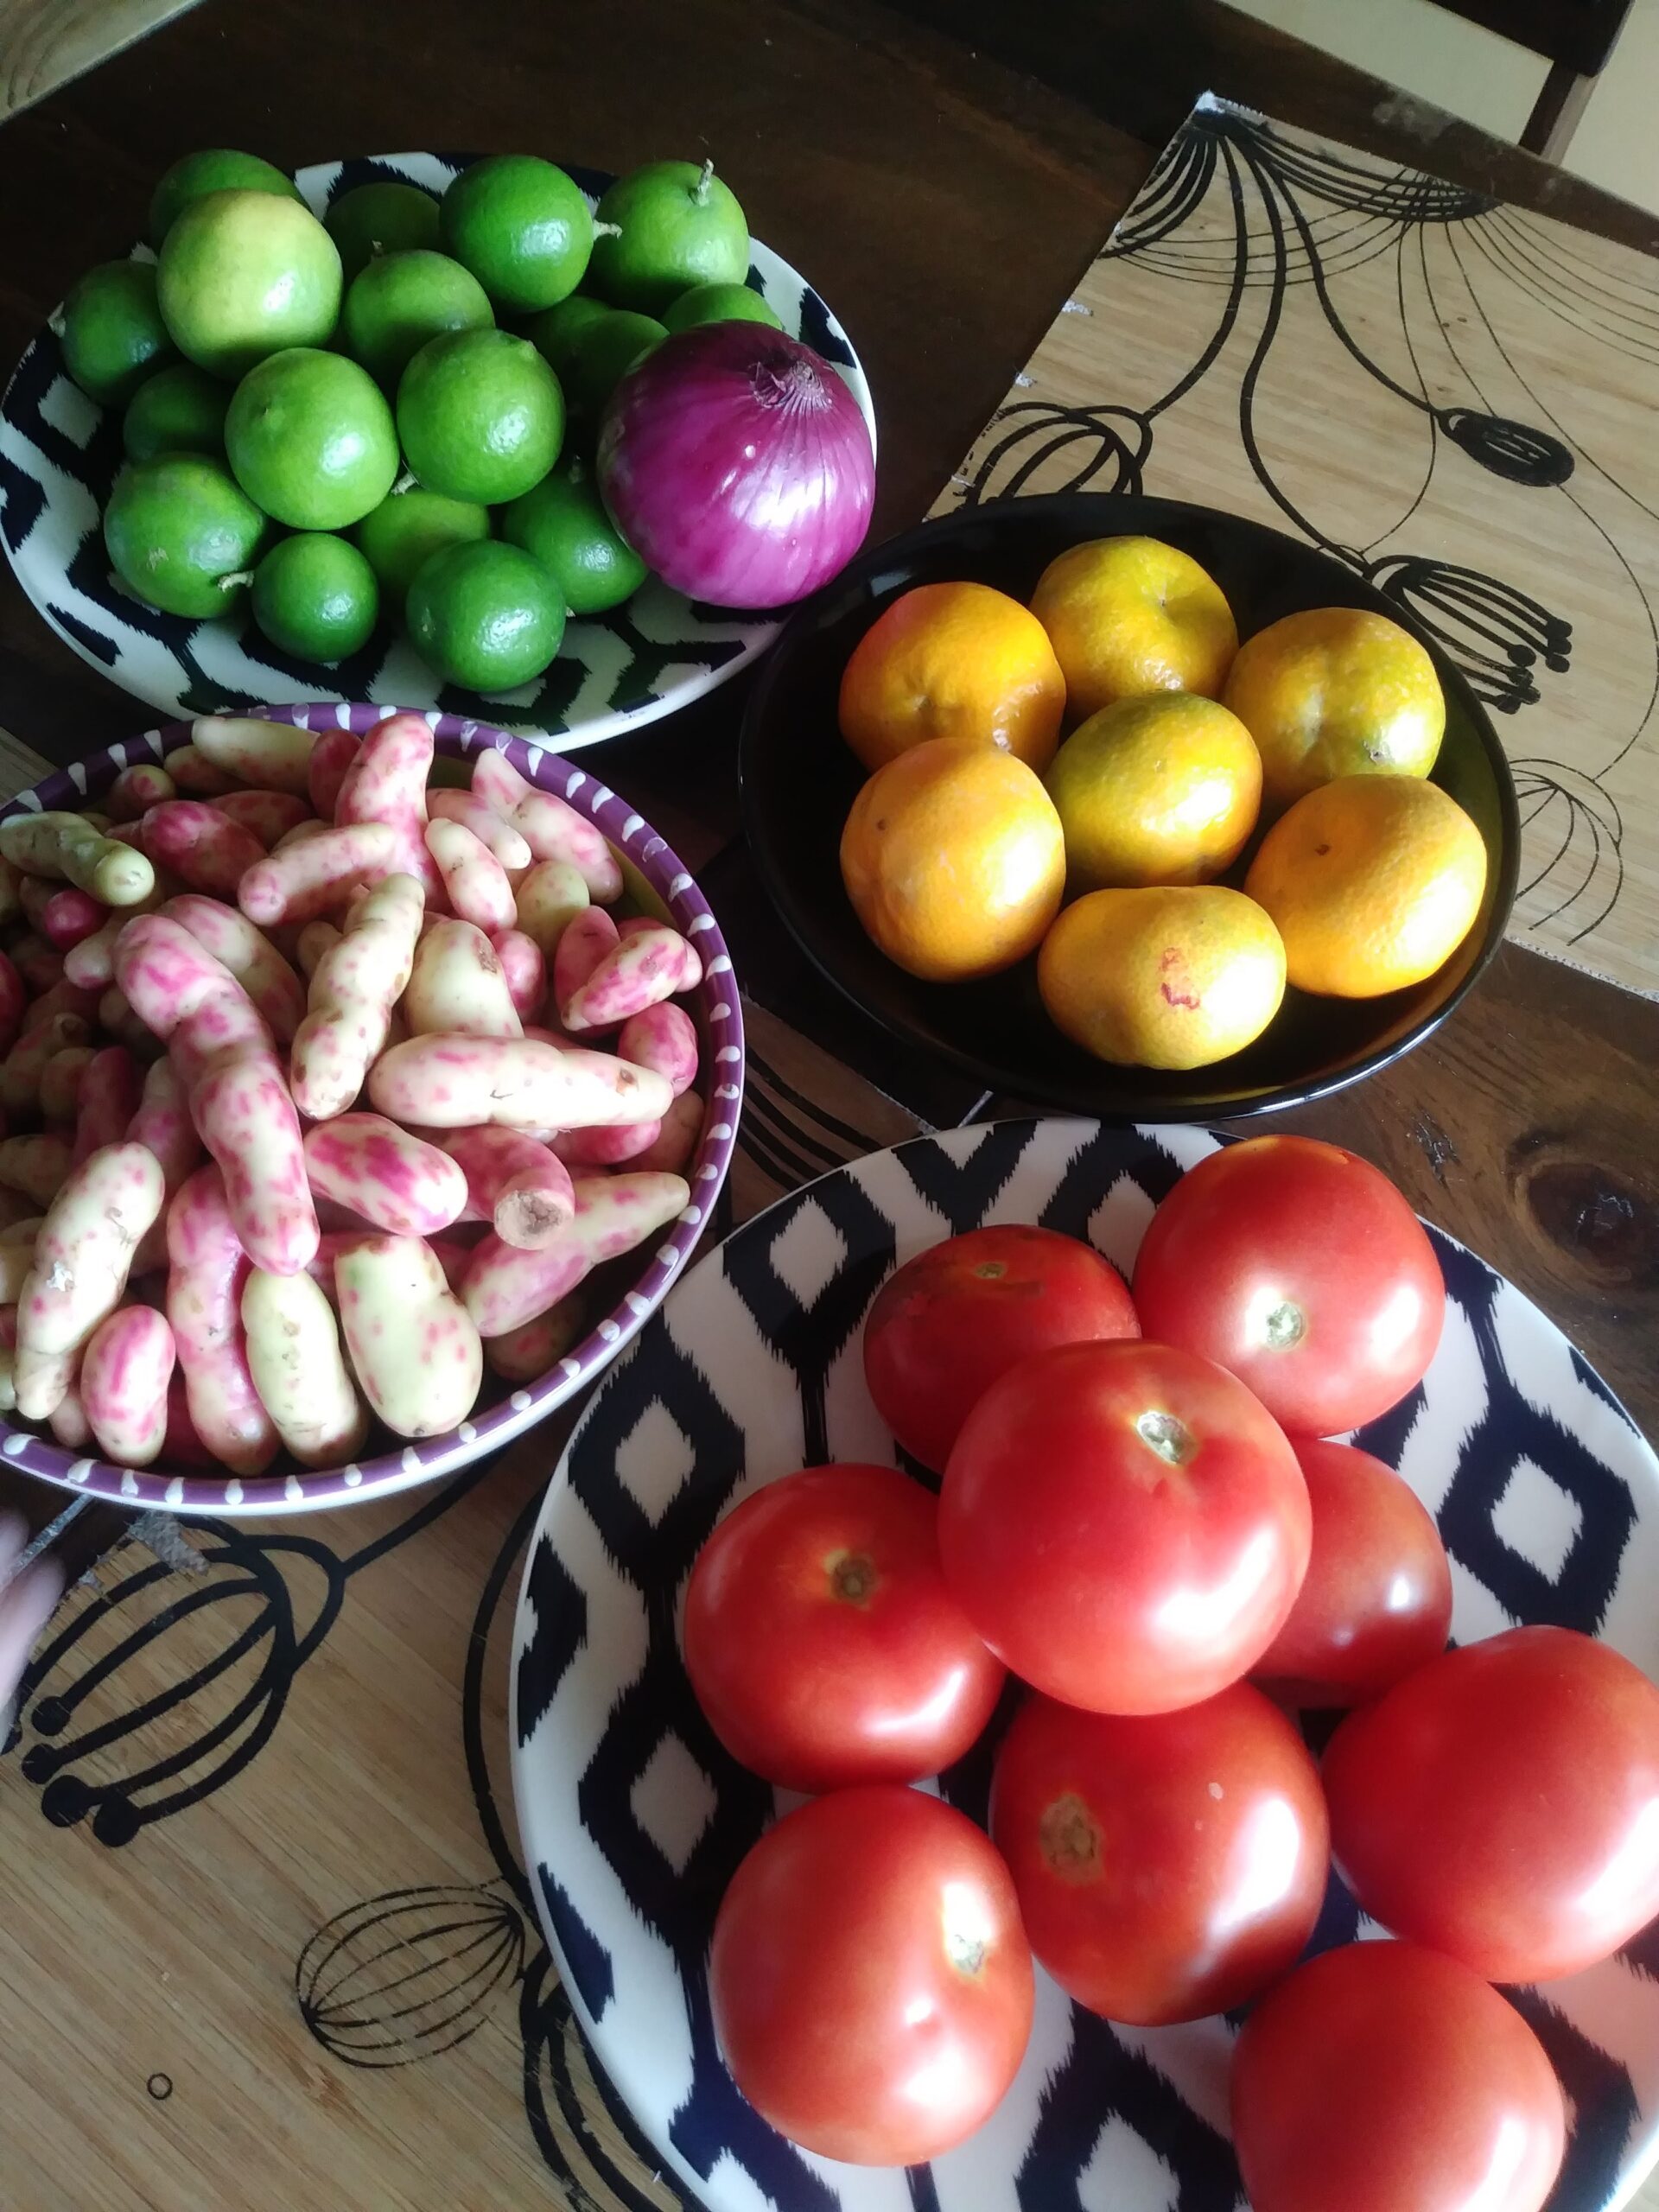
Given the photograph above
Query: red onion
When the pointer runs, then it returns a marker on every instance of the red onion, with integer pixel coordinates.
(738, 466)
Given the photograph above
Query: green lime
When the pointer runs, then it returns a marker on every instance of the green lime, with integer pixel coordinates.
(676, 226)
(315, 596)
(376, 219)
(311, 438)
(487, 616)
(480, 415)
(180, 410)
(718, 303)
(592, 352)
(521, 226)
(244, 274)
(111, 330)
(407, 528)
(182, 534)
(217, 169)
(563, 521)
(399, 302)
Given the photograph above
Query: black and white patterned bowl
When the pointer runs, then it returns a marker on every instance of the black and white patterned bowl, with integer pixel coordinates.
(656, 879)
(60, 454)
(634, 1818)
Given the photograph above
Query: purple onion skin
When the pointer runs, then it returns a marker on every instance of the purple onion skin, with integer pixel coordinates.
(738, 466)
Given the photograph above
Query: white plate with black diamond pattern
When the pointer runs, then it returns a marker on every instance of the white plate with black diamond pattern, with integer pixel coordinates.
(634, 1818)
(59, 455)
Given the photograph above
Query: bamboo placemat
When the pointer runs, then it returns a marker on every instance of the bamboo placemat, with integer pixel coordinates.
(1452, 397)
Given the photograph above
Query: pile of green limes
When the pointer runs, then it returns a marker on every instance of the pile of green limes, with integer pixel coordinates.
(390, 412)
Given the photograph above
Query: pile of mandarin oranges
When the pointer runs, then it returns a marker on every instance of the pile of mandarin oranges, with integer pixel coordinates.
(1174, 824)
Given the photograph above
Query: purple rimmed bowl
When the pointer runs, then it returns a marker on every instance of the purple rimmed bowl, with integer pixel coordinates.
(656, 878)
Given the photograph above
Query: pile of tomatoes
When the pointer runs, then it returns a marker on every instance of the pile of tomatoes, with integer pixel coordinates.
(1140, 1520)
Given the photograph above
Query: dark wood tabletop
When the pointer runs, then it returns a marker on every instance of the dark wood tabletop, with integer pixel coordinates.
(943, 168)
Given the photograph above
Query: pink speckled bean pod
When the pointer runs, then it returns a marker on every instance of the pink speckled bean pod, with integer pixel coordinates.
(16, 1258)
(386, 783)
(505, 1286)
(14, 997)
(69, 917)
(239, 1100)
(526, 1354)
(646, 967)
(475, 882)
(676, 1138)
(195, 775)
(663, 1037)
(136, 790)
(590, 1148)
(62, 997)
(589, 938)
(181, 1446)
(313, 875)
(126, 1371)
(204, 1304)
(356, 984)
(270, 756)
(413, 1346)
(163, 1122)
(69, 849)
(25, 1066)
(67, 1419)
(331, 757)
(513, 1183)
(119, 1023)
(315, 938)
(399, 1182)
(40, 964)
(454, 1082)
(299, 1370)
(525, 970)
(82, 1257)
(485, 824)
(265, 815)
(302, 833)
(38, 1166)
(203, 847)
(111, 1088)
(90, 965)
(61, 1081)
(250, 955)
(553, 831)
(457, 986)
(547, 899)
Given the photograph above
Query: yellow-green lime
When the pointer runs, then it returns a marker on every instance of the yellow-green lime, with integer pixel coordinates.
(380, 218)
(406, 528)
(311, 438)
(521, 227)
(480, 415)
(244, 274)
(556, 333)
(592, 354)
(488, 616)
(181, 533)
(315, 596)
(563, 522)
(400, 301)
(179, 410)
(111, 331)
(217, 168)
(718, 303)
(676, 226)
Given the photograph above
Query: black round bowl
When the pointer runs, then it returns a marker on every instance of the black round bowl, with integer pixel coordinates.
(798, 780)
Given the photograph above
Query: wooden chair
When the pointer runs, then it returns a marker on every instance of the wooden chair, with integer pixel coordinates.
(1574, 37)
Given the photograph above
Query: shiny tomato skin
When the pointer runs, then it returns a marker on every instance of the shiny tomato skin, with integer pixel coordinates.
(1382, 2077)
(871, 1982)
(821, 1641)
(1298, 1267)
(1124, 1525)
(1502, 1803)
(1168, 1865)
(955, 1318)
(1377, 1599)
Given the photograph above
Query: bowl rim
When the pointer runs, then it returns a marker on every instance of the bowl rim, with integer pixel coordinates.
(300, 1490)
(1105, 514)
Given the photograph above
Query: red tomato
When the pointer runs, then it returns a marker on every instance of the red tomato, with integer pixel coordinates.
(1383, 2078)
(821, 1640)
(1502, 1803)
(956, 1316)
(1377, 1598)
(872, 1985)
(1302, 1270)
(1124, 1526)
(1168, 1865)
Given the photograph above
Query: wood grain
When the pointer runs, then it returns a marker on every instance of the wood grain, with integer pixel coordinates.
(43, 42)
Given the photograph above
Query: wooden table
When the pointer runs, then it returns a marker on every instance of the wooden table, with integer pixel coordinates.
(943, 168)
